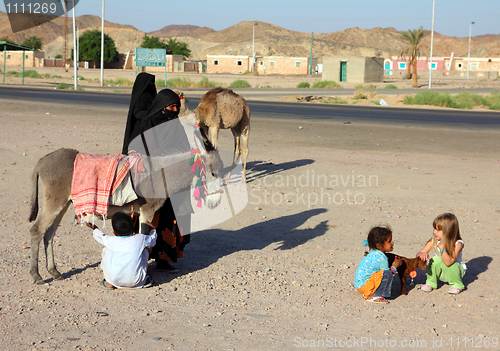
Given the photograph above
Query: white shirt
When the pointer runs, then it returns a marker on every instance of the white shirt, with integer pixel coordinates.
(459, 258)
(125, 259)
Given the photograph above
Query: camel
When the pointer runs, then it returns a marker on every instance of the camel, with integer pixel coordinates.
(55, 172)
(221, 108)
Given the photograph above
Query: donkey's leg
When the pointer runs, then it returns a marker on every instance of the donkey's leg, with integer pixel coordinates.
(43, 224)
(48, 240)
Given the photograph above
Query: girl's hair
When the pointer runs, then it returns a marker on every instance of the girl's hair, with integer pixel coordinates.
(448, 223)
(378, 235)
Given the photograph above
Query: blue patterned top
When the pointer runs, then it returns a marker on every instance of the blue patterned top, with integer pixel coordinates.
(375, 261)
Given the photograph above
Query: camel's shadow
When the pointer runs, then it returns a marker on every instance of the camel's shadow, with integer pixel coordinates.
(209, 246)
(260, 169)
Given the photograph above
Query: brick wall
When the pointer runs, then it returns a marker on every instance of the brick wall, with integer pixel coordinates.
(228, 64)
(15, 58)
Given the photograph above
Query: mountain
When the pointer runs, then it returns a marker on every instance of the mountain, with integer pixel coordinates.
(270, 40)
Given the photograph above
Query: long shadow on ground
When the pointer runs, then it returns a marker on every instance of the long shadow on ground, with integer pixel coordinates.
(209, 246)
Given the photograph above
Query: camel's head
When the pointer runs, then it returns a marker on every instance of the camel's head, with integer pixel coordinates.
(183, 110)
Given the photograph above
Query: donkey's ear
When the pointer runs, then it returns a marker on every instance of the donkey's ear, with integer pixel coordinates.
(208, 145)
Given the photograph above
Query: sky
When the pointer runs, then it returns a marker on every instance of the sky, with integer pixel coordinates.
(452, 17)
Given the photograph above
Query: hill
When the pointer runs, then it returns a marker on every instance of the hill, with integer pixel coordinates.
(270, 40)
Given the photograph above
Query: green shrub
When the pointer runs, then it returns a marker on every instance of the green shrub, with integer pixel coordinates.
(371, 86)
(360, 94)
(390, 86)
(303, 85)
(240, 83)
(205, 83)
(359, 86)
(180, 83)
(56, 76)
(62, 86)
(31, 74)
(11, 73)
(248, 73)
(432, 98)
(123, 82)
(326, 84)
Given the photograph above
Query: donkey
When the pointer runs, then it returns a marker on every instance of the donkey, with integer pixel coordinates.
(55, 172)
(221, 108)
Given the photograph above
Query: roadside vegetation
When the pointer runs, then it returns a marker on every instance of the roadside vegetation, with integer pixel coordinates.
(303, 85)
(390, 86)
(327, 84)
(240, 83)
(463, 100)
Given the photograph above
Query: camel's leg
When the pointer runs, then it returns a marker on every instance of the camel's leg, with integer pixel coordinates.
(48, 240)
(214, 134)
(244, 147)
(44, 224)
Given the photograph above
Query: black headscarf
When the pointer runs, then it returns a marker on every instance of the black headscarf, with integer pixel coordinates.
(143, 94)
(169, 136)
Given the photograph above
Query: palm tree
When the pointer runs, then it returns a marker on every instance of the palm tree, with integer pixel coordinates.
(412, 51)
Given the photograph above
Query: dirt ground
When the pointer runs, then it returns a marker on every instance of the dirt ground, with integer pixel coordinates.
(279, 274)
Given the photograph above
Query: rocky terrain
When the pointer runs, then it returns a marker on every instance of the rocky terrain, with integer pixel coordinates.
(270, 40)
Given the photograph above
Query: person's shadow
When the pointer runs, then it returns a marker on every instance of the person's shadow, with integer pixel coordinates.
(260, 169)
(209, 246)
(475, 267)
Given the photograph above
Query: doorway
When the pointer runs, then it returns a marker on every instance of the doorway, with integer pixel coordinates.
(343, 71)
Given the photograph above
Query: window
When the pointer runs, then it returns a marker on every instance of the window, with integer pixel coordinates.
(297, 64)
(216, 62)
(261, 63)
(239, 63)
(401, 65)
(27, 56)
(473, 66)
(434, 65)
(8, 56)
(448, 65)
(271, 64)
(459, 65)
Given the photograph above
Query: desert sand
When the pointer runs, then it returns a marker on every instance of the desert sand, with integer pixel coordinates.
(278, 275)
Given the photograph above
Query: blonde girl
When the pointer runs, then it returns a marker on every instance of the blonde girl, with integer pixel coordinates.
(447, 264)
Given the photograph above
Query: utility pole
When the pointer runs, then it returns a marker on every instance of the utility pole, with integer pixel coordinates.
(65, 33)
(432, 41)
(102, 45)
(468, 56)
(311, 58)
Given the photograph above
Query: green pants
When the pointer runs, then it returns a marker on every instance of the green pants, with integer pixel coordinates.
(452, 275)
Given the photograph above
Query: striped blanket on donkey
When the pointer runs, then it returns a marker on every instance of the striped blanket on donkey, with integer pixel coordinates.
(95, 179)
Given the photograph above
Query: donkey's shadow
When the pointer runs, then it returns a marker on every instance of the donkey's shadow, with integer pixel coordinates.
(209, 246)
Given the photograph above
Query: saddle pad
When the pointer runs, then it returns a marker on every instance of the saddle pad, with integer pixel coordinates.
(95, 177)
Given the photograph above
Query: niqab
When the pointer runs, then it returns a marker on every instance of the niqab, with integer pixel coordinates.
(143, 93)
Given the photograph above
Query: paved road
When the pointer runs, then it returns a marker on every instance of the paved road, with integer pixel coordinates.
(282, 110)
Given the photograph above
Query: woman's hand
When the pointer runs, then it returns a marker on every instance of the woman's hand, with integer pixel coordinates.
(92, 226)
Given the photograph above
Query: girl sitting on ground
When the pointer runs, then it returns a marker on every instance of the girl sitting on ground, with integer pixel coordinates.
(447, 264)
(373, 276)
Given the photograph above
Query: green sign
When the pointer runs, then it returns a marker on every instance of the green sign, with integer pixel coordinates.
(150, 57)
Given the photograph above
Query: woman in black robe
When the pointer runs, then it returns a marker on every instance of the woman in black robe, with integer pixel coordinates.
(143, 94)
(166, 139)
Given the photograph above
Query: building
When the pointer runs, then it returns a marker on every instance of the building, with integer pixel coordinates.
(263, 64)
(353, 69)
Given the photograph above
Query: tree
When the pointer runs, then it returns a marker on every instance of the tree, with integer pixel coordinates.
(90, 47)
(33, 42)
(412, 51)
(152, 42)
(178, 48)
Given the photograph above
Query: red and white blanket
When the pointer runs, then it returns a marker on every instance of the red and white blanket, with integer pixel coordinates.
(95, 178)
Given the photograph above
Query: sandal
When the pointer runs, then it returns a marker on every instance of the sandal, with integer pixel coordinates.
(148, 283)
(106, 287)
(426, 287)
(377, 299)
(454, 290)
